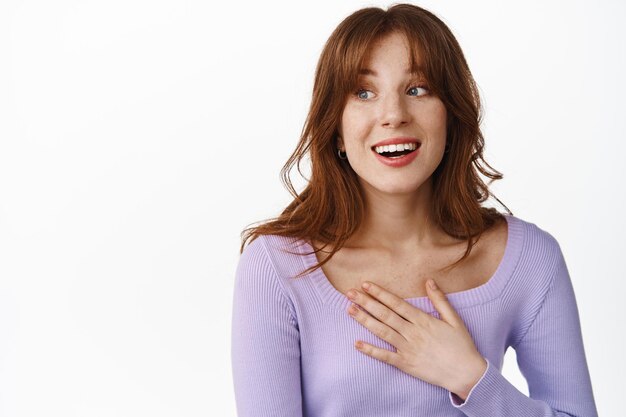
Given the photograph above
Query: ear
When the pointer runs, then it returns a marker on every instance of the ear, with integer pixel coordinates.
(340, 142)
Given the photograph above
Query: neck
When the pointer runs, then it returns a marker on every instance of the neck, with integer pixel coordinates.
(398, 223)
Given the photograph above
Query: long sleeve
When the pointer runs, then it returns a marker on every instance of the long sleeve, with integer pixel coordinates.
(265, 340)
(551, 357)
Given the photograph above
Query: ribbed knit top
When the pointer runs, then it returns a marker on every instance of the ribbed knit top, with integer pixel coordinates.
(293, 354)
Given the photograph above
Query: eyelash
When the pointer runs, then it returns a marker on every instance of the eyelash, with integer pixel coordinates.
(360, 89)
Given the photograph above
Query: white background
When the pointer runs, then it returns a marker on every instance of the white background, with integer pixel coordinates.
(138, 139)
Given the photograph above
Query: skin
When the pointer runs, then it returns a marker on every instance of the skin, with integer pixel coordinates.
(396, 103)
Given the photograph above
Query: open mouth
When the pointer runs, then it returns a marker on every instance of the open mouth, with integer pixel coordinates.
(397, 154)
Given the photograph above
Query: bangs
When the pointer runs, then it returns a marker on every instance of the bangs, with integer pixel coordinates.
(356, 54)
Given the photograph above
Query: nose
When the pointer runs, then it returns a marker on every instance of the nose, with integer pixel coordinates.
(394, 111)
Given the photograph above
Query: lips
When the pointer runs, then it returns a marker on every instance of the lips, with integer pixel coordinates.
(400, 161)
(397, 140)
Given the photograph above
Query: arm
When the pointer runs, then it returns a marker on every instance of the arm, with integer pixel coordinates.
(265, 341)
(551, 357)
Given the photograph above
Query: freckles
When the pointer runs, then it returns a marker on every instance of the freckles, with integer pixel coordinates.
(356, 125)
(437, 119)
(354, 116)
(443, 113)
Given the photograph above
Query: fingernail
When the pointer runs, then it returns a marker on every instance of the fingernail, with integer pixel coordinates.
(366, 286)
(432, 284)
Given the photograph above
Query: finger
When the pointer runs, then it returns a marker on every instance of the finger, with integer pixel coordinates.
(400, 306)
(383, 355)
(381, 330)
(378, 310)
(441, 303)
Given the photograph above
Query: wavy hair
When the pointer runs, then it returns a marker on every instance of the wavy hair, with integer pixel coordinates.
(332, 205)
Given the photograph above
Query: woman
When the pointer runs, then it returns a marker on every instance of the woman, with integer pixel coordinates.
(395, 144)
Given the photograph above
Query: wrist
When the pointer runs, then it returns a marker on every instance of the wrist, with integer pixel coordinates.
(474, 372)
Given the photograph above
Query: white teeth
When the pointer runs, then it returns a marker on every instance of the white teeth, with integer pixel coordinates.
(394, 148)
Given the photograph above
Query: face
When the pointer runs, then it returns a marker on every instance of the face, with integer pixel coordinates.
(393, 103)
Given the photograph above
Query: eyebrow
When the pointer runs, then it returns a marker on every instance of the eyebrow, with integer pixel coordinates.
(367, 71)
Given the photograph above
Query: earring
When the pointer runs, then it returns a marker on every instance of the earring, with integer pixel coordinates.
(339, 151)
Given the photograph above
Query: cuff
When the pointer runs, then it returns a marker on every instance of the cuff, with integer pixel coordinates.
(480, 391)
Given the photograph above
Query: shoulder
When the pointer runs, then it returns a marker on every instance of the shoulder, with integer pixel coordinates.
(258, 276)
(537, 242)
(281, 255)
(540, 256)
(277, 249)
(269, 244)
(261, 250)
(263, 256)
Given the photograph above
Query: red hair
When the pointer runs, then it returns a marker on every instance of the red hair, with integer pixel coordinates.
(331, 207)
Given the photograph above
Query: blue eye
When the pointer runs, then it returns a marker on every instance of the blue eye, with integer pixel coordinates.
(360, 92)
(421, 88)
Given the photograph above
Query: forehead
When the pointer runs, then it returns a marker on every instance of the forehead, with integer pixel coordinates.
(372, 73)
(392, 50)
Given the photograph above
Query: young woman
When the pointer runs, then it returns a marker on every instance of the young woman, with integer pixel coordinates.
(395, 145)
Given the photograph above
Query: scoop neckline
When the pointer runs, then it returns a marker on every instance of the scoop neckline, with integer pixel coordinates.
(459, 299)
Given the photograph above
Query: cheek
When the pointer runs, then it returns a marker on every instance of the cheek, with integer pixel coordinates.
(438, 120)
(353, 126)
(439, 112)
(349, 120)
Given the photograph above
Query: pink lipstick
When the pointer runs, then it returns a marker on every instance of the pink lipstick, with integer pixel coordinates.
(400, 160)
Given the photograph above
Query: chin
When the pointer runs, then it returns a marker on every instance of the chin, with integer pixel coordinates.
(403, 190)
(395, 188)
